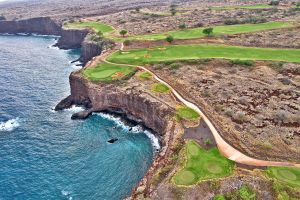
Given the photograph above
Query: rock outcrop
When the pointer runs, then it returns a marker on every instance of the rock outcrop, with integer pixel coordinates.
(69, 38)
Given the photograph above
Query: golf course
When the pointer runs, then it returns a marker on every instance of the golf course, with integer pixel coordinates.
(199, 51)
(96, 26)
(202, 164)
(286, 175)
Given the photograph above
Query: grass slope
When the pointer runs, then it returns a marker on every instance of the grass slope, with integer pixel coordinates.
(187, 113)
(288, 175)
(189, 52)
(250, 7)
(97, 26)
(202, 164)
(160, 88)
(107, 72)
(218, 30)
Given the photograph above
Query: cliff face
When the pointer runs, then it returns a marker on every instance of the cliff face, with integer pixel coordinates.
(69, 38)
(134, 103)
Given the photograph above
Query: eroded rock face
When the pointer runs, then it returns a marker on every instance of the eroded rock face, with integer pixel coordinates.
(142, 106)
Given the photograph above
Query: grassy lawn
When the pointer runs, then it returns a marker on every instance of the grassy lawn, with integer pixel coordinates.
(190, 52)
(97, 26)
(250, 7)
(145, 75)
(288, 175)
(187, 113)
(218, 30)
(202, 164)
(160, 88)
(108, 72)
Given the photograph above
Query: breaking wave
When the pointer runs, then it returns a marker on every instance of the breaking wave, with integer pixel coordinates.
(136, 129)
(9, 125)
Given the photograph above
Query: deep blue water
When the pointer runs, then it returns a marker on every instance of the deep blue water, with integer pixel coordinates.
(46, 155)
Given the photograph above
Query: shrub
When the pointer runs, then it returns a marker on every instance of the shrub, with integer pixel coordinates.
(182, 26)
(240, 117)
(175, 66)
(246, 193)
(127, 42)
(219, 197)
(170, 39)
(208, 31)
(274, 3)
(247, 63)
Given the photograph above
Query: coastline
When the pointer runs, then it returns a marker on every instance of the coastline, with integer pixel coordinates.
(162, 127)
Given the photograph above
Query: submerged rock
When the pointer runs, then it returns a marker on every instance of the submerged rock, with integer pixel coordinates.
(81, 115)
(113, 140)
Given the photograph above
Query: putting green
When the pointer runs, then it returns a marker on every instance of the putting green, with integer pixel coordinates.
(202, 164)
(194, 33)
(107, 72)
(145, 75)
(97, 26)
(288, 175)
(190, 52)
(187, 113)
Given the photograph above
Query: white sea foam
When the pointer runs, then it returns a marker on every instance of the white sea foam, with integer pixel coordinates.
(67, 194)
(135, 129)
(75, 109)
(9, 125)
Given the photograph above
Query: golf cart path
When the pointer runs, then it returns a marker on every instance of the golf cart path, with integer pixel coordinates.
(225, 148)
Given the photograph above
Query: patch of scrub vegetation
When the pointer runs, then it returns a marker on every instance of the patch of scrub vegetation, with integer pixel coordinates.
(186, 113)
(200, 51)
(250, 7)
(97, 26)
(243, 193)
(217, 30)
(160, 88)
(288, 175)
(109, 72)
(145, 75)
(202, 164)
(245, 63)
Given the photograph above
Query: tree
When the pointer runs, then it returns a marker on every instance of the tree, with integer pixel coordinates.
(170, 39)
(274, 3)
(182, 26)
(208, 31)
(173, 9)
(123, 32)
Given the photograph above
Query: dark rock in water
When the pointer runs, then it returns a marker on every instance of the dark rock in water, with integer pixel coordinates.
(81, 115)
(63, 104)
(130, 129)
(113, 140)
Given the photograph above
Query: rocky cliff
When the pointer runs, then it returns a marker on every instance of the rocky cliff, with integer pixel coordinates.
(69, 38)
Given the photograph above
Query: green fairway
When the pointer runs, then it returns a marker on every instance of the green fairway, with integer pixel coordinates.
(189, 52)
(218, 30)
(160, 88)
(202, 164)
(107, 72)
(250, 7)
(288, 175)
(97, 26)
(187, 113)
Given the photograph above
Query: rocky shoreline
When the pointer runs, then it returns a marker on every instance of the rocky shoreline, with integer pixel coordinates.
(134, 106)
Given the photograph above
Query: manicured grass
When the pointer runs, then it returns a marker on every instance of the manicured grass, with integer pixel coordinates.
(202, 164)
(250, 7)
(288, 175)
(160, 88)
(97, 26)
(218, 30)
(187, 113)
(108, 72)
(145, 75)
(190, 52)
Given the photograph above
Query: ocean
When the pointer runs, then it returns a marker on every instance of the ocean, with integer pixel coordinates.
(46, 155)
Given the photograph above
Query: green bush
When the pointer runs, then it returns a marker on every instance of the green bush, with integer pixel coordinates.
(219, 197)
(246, 193)
(175, 66)
(208, 31)
(247, 63)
